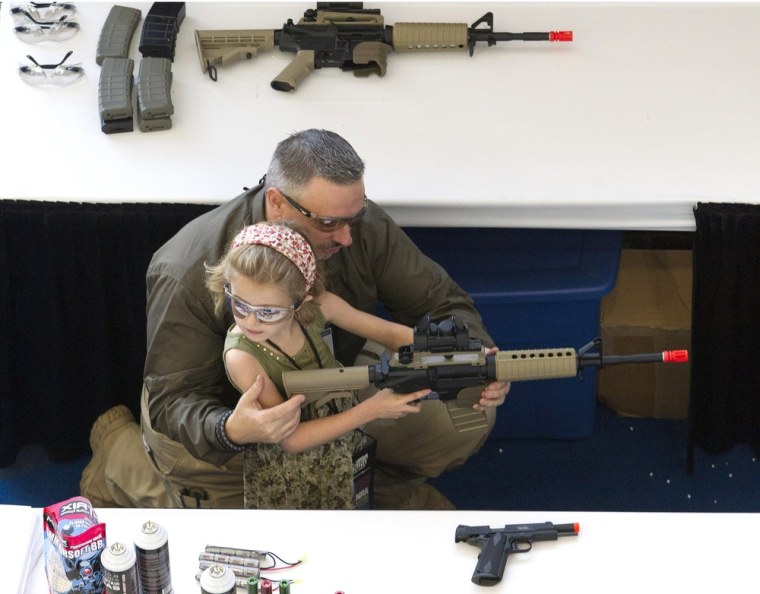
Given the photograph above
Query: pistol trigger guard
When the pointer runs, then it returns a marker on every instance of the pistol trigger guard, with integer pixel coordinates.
(212, 72)
(521, 546)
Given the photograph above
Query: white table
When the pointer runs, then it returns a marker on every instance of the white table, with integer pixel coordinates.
(650, 110)
(404, 552)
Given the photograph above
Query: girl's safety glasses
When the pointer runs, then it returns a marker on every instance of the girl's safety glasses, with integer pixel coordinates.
(266, 314)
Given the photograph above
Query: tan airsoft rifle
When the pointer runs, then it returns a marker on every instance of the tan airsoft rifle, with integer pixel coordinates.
(348, 36)
(445, 359)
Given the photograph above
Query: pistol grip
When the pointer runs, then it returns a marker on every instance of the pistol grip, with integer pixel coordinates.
(298, 69)
(494, 550)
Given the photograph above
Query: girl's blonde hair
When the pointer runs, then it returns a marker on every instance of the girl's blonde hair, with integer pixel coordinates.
(264, 265)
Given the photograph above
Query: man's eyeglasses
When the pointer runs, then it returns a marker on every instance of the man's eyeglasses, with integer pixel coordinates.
(327, 223)
(266, 314)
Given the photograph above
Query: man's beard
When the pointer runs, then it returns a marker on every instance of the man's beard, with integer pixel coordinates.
(326, 251)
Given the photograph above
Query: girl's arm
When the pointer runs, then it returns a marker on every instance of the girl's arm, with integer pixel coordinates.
(389, 334)
(260, 415)
(243, 369)
(384, 404)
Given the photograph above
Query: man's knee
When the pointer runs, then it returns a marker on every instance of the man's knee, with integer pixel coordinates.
(119, 473)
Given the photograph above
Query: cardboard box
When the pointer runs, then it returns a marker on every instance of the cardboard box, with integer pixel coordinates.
(649, 310)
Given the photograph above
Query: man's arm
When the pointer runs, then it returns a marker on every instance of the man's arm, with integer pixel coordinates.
(184, 374)
(409, 284)
(383, 264)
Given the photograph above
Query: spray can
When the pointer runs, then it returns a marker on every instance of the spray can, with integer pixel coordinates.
(119, 569)
(217, 579)
(152, 550)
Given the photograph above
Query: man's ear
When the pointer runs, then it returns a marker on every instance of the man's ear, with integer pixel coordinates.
(274, 205)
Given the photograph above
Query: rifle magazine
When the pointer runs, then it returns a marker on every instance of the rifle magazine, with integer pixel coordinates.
(466, 419)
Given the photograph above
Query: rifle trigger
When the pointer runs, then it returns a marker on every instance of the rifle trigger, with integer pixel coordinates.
(429, 396)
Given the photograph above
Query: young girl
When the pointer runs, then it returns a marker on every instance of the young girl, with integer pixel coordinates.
(270, 280)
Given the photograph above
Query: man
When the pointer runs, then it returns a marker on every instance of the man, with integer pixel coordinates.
(194, 424)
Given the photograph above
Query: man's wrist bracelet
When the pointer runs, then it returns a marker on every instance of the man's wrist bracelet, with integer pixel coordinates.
(221, 434)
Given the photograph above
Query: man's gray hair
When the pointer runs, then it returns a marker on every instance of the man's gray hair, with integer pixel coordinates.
(313, 153)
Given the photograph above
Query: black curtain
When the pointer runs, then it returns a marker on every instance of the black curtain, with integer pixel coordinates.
(725, 369)
(72, 315)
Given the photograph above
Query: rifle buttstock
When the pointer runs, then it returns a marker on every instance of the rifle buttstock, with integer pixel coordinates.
(316, 384)
(227, 46)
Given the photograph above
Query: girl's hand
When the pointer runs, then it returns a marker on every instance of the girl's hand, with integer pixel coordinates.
(386, 404)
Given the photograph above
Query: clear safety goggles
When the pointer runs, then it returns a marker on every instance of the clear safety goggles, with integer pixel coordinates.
(32, 30)
(57, 75)
(43, 11)
(266, 314)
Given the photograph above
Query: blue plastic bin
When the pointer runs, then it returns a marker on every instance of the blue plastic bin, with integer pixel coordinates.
(535, 288)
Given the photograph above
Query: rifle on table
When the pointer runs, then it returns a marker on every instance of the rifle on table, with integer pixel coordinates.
(348, 36)
(444, 358)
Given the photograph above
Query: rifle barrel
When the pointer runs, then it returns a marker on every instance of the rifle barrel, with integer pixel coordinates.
(594, 359)
(491, 37)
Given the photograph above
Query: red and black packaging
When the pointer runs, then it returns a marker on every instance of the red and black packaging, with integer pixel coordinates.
(72, 545)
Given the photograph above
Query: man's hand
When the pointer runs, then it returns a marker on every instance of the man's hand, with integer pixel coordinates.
(252, 423)
(495, 393)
